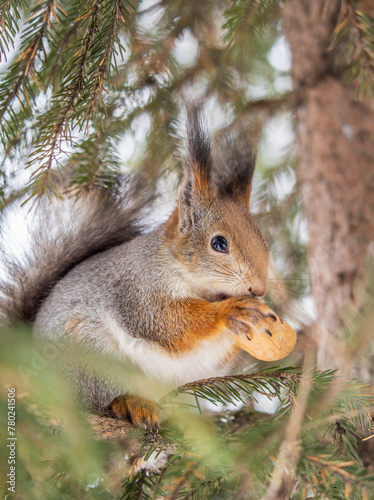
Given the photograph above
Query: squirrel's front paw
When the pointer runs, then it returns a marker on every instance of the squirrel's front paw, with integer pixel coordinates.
(138, 411)
(258, 330)
(241, 315)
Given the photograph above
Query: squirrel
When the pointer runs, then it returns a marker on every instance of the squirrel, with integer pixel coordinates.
(170, 299)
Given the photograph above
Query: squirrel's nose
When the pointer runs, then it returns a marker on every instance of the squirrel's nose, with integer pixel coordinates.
(258, 291)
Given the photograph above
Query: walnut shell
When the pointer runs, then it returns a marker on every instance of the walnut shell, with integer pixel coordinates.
(268, 342)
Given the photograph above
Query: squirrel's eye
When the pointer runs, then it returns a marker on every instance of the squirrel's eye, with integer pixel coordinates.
(219, 244)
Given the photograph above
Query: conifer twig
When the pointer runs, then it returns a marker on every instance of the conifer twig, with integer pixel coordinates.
(285, 467)
(228, 388)
(26, 60)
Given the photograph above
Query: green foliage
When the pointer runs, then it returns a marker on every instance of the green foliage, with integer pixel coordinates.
(10, 16)
(56, 456)
(246, 15)
(213, 454)
(78, 67)
(72, 47)
(239, 450)
(202, 453)
(354, 37)
(232, 389)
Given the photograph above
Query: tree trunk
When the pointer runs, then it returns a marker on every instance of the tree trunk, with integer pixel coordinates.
(336, 168)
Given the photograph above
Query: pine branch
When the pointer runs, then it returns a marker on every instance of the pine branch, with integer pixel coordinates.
(10, 16)
(205, 490)
(116, 16)
(335, 478)
(284, 471)
(56, 127)
(62, 47)
(135, 488)
(354, 33)
(230, 388)
(332, 440)
(94, 165)
(245, 15)
(75, 102)
(152, 67)
(334, 399)
(23, 122)
(37, 26)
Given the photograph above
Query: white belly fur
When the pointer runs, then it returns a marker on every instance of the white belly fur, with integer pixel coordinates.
(210, 359)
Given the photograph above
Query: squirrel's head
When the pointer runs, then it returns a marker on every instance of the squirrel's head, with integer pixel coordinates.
(216, 242)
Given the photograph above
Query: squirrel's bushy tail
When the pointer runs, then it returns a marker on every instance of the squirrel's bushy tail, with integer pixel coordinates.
(66, 233)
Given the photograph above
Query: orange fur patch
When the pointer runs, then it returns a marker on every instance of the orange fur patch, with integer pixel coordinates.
(73, 326)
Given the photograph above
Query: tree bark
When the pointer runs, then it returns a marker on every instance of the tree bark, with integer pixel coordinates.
(336, 168)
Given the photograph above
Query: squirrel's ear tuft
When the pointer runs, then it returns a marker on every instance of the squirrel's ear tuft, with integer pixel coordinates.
(200, 154)
(235, 165)
(197, 189)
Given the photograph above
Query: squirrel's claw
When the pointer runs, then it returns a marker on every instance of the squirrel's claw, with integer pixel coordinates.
(138, 411)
